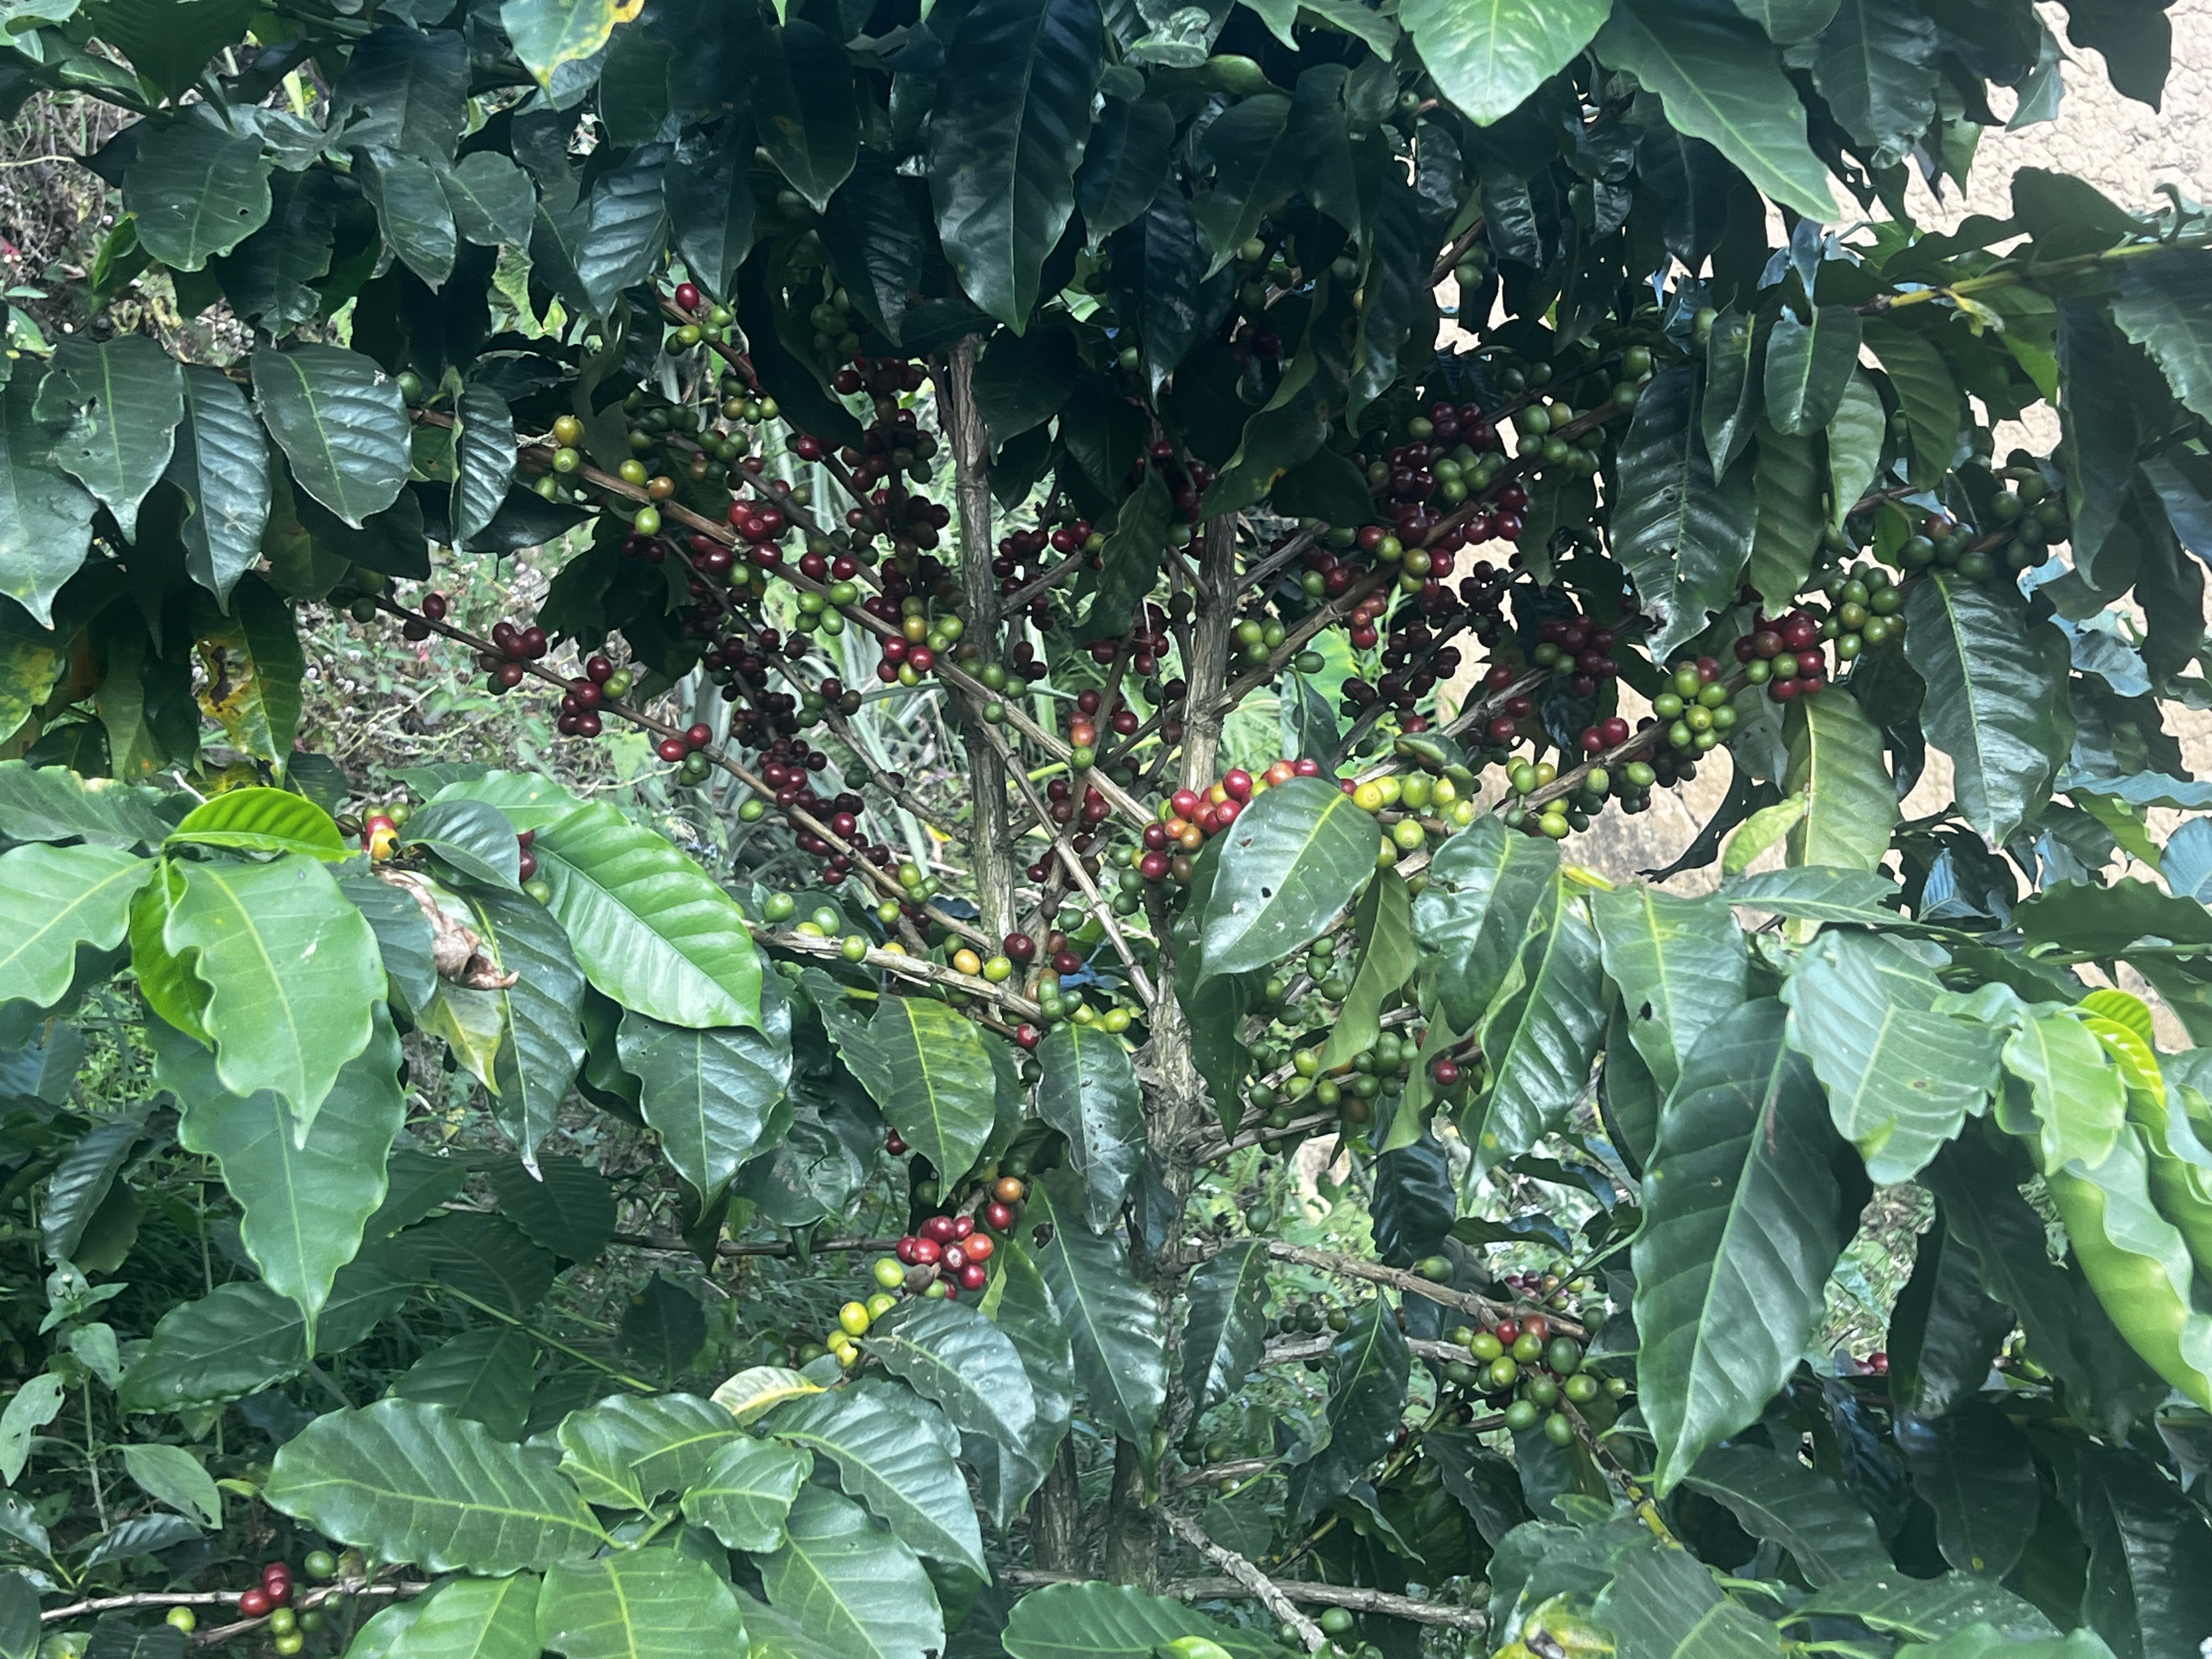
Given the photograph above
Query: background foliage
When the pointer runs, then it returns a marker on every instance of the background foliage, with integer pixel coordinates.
(839, 453)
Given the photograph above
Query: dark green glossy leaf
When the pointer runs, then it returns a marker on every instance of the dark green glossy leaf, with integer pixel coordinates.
(416, 218)
(1226, 1329)
(1996, 701)
(1728, 413)
(1004, 141)
(856, 1590)
(484, 1375)
(1809, 363)
(565, 1205)
(244, 1337)
(483, 461)
(1976, 1471)
(1024, 379)
(1114, 1325)
(1927, 395)
(1836, 768)
(481, 1256)
(1741, 1226)
(1875, 64)
(221, 463)
(802, 108)
(877, 232)
(1123, 163)
(649, 927)
(1414, 1203)
(710, 205)
(1099, 1620)
(2147, 1592)
(949, 1353)
(2165, 306)
(1682, 536)
(1787, 486)
(1294, 857)
(405, 92)
(490, 198)
(1931, 1608)
(113, 408)
(1089, 1093)
(46, 522)
(340, 423)
(1775, 1496)
(1662, 1604)
(1721, 81)
(1368, 1369)
(1944, 1330)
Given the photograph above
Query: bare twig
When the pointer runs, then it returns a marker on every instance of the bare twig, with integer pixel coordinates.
(1255, 1581)
(1325, 1596)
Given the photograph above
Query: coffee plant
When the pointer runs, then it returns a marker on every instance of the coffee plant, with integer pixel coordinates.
(1033, 1070)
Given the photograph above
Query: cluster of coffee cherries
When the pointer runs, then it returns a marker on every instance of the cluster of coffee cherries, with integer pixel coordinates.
(271, 1599)
(1783, 654)
(1449, 455)
(938, 1261)
(1521, 1367)
(1291, 1084)
(1189, 817)
(1413, 806)
(1414, 657)
(1020, 558)
(1867, 610)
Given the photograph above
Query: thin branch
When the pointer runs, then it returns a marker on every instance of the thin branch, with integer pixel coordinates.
(1255, 1581)
(1325, 1596)
(1484, 1308)
(920, 969)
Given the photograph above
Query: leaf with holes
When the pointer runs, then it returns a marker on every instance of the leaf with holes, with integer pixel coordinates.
(1900, 1076)
(113, 408)
(1114, 1325)
(197, 191)
(340, 423)
(1680, 964)
(1294, 859)
(1682, 535)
